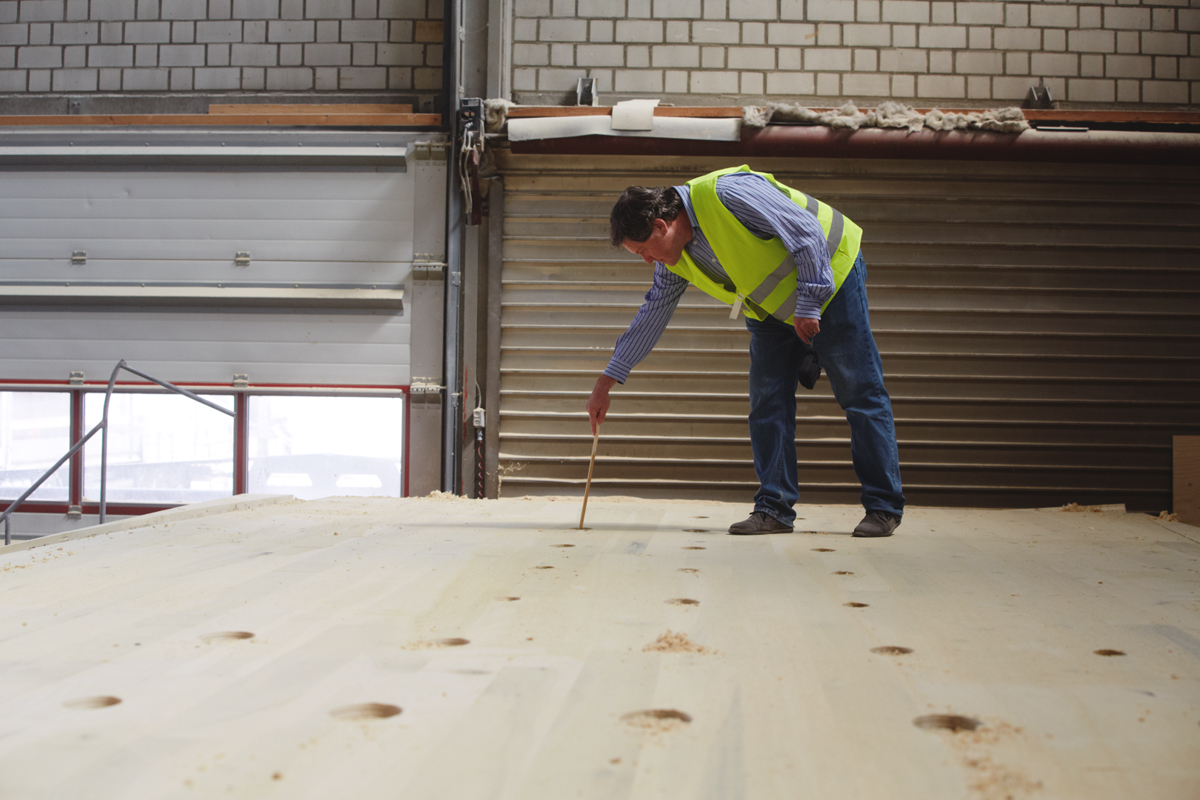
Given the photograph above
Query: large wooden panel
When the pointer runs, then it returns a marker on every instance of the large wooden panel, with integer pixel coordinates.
(447, 649)
(1186, 477)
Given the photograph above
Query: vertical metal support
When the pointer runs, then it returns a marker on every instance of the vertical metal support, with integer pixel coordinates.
(451, 406)
(449, 61)
(407, 439)
(75, 471)
(241, 442)
(491, 443)
(104, 442)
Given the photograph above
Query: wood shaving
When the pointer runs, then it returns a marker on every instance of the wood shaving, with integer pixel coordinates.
(439, 495)
(1167, 516)
(992, 780)
(1075, 507)
(671, 642)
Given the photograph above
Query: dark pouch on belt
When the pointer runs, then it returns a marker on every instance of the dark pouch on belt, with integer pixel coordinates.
(810, 369)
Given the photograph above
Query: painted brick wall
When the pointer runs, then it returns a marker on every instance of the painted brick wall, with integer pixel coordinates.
(218, 46)
(824, 51)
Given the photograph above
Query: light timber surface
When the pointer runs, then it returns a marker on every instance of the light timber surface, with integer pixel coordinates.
(449, 648)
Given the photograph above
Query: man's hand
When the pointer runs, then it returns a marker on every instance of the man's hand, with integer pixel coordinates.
(597, 404)
(806, 329)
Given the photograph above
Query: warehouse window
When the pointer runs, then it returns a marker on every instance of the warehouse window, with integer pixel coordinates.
(323, 446)
(162, 448)
(35, 430)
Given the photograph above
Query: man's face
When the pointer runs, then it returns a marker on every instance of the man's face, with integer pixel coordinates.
(665, 243)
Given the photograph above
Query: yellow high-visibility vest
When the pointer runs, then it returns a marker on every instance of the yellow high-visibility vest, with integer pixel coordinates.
(762, 270)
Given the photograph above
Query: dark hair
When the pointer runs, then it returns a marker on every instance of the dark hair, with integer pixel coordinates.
(633, 216)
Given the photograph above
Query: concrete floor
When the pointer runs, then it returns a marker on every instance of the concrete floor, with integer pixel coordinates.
(447, 648)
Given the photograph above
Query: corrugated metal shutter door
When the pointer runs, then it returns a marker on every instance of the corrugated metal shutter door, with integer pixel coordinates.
(326, 228)
(1038, 327)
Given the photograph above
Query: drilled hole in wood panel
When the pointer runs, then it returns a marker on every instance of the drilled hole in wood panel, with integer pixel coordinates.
(696, 530)
(843, 572)
(891, 650)
(683, 601)
(510, 599)
(544, 566)
(946, 722)
(657, 721)
(562, 545)
(99, 701)
(689, 570)
(365, 711)
(1109, 652)
(855, 605)
(823, 549)
(227, 636)
(452, 642)
(694, 547)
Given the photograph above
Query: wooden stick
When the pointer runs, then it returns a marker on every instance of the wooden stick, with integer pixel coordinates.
(586, 491)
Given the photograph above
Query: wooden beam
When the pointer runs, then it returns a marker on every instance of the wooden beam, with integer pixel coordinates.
(1186, 479)
(310, 108)
(207, 120)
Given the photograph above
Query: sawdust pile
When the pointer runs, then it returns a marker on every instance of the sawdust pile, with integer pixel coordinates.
(1076, 508)
(1167, 516)
(439, 495)
(888, 115)
(671, 642)
(992, 780)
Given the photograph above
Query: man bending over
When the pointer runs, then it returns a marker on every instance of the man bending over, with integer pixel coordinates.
(792, 265)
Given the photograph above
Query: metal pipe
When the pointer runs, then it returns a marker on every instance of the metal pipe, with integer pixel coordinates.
(8, 512)
(818, 141)
(173, 388)
(102, 425)
(451, 447)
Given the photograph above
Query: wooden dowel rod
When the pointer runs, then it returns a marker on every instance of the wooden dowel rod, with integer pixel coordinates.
(587, 490)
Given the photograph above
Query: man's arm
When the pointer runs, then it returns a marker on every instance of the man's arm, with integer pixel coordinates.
(639, 339)
(767, 212)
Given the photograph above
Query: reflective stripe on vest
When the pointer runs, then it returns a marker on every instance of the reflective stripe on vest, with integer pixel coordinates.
(786, 269)
(813, 206)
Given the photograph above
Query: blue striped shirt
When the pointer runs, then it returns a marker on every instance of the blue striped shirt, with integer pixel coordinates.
(767, 213)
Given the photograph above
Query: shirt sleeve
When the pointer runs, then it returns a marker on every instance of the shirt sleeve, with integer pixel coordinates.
(769, 213)
(648, 324)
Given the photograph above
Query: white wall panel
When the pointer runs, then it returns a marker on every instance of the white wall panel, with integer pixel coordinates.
(343, 228)
(371, 348)
(329, 217)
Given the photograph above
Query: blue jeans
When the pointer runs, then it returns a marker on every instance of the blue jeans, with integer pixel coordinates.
(850, 359)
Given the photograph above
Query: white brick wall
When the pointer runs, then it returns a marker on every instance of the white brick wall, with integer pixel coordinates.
(73, 46)
(734, 51)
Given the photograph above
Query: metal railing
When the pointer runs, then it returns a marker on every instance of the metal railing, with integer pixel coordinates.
(101, 427)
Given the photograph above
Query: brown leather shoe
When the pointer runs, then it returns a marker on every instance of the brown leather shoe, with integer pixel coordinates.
(758, 523)
(877, 523)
